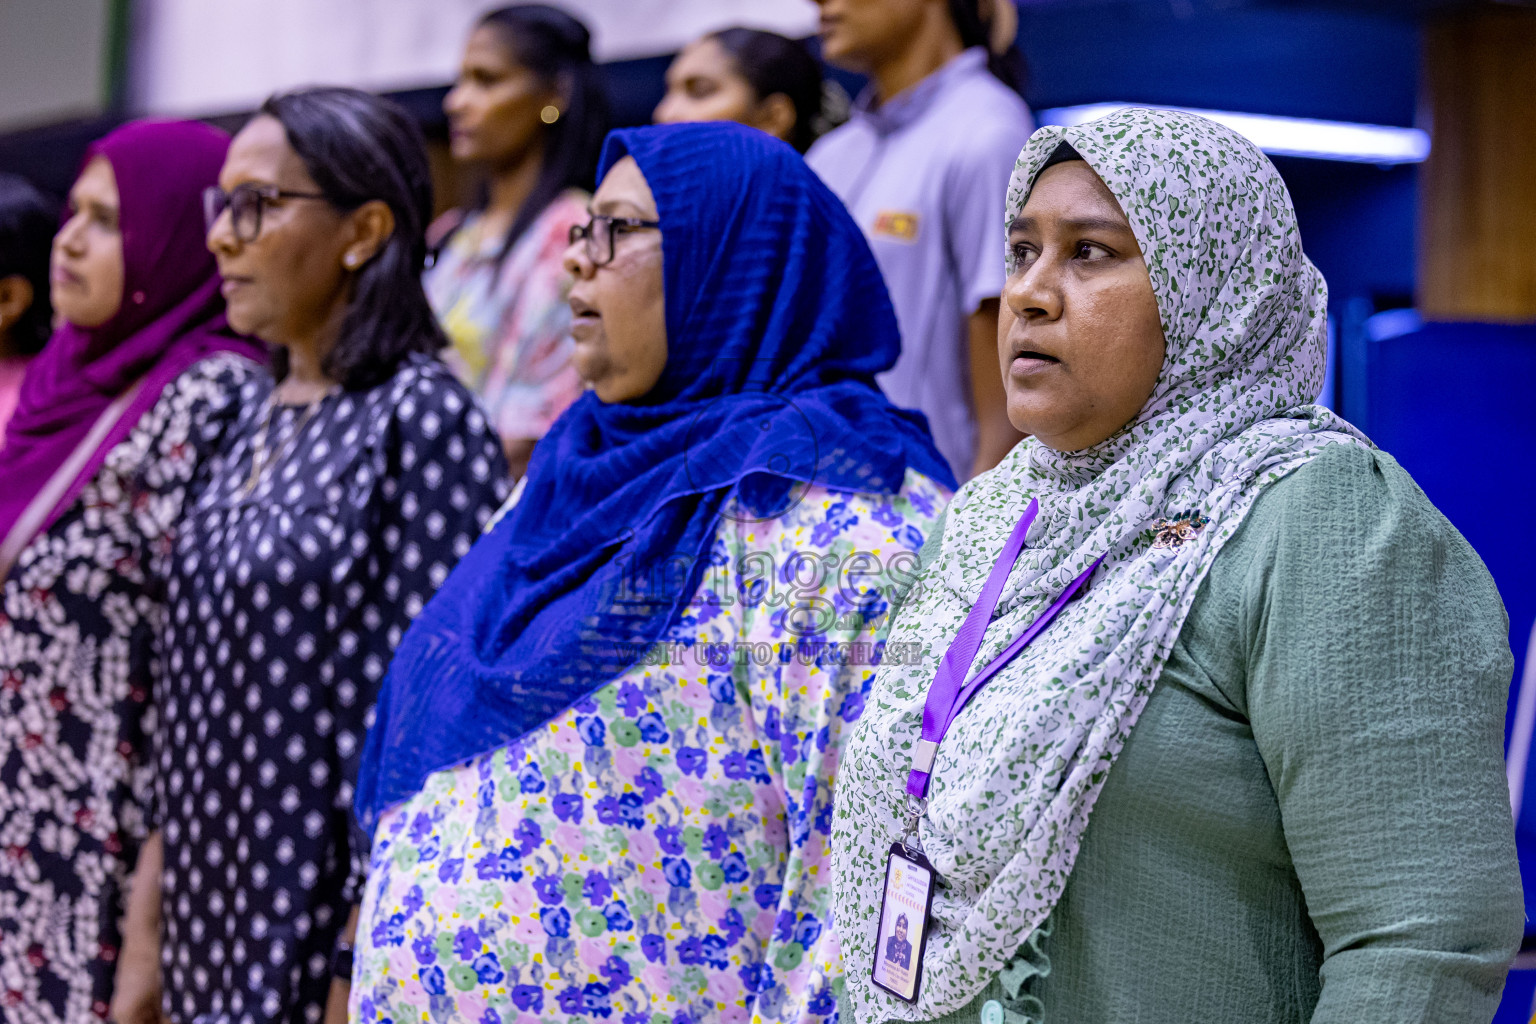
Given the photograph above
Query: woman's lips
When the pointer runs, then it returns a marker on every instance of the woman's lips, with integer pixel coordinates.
(584, 319)
(64, 276)
(1029, 362)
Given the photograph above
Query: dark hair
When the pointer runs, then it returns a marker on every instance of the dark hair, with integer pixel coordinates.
(27, 227)
(359, 148)
(1062, 154)
(772, 64)
(558, 49)
(1007, 67)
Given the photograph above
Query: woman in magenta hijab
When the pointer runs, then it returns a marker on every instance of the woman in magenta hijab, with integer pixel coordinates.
(114, 418)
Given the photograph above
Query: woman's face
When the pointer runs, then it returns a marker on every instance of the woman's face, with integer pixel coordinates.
(1079, 336)
(863, 34)
(703, 84)
(619, 319)
(495, 106)
(87, 269)
(292, 277)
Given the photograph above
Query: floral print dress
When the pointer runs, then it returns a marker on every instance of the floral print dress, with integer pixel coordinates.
(658, 853)
(77, 615)
(508, 321)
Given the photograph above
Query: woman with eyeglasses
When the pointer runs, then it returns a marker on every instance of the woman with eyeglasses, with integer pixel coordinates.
(116, 419)
(352, 483)
(602, 771)
(528, 110)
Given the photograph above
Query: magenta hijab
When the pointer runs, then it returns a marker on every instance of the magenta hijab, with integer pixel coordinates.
(172, 314)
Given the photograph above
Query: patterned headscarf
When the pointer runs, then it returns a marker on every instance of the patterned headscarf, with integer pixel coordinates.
(1244, 316)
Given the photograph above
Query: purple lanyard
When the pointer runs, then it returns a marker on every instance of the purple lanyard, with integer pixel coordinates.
(946, 697)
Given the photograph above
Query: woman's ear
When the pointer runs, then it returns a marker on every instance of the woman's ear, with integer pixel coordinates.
(372, 224)
(1002, 20)
(775, 115)
(15, 299)
(565, 88)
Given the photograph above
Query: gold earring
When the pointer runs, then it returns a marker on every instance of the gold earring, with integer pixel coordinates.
(550, 114)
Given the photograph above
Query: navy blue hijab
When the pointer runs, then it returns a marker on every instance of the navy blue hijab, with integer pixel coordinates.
(777, 322)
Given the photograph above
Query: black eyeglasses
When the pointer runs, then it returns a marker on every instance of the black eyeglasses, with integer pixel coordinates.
(245, 203)
(599, 234)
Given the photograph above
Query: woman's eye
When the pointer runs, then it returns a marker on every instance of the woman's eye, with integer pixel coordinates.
(699, 89)
(1022, 253)
(1090, 251)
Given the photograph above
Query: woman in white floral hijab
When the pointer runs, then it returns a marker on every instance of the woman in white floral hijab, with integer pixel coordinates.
(1281, 697)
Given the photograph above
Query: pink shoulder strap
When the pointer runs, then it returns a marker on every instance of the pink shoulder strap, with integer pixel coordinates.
(36, 513)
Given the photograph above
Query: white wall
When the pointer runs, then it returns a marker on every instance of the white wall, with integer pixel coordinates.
(52, 60)
(216, 56)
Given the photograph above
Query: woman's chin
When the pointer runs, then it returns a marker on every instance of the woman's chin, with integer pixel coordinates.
(589, 367)
(1026, 414)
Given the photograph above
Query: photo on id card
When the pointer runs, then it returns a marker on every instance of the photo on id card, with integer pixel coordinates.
(903, 928)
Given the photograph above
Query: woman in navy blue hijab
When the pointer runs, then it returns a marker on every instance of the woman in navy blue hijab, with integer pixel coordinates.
(601, 778)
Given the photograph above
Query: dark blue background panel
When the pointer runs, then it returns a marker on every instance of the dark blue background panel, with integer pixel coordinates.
(1358, 224)
(1339, 65)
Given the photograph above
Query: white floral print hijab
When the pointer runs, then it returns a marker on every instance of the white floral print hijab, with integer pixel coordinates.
(1244, 315)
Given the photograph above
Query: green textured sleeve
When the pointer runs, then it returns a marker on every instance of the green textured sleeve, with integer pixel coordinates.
(1378, 670)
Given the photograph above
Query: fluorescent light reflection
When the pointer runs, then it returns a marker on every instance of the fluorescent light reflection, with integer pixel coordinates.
(1287, 136)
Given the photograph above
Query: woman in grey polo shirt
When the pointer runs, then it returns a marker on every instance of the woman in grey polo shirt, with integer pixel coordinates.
(922, 163)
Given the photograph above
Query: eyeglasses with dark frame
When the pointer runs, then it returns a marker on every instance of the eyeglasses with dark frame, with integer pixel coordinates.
(245, 204)
(601, 231)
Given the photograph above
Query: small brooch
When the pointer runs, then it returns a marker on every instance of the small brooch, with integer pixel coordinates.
(1172, 533)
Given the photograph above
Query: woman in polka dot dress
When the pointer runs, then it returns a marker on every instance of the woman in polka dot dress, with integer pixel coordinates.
(604, 763)
(351, 486)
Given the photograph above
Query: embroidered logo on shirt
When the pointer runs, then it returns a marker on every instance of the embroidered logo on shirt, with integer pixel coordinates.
(897, 225)
(1172, 533)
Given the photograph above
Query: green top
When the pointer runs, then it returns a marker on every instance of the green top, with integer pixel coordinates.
(1310, 820)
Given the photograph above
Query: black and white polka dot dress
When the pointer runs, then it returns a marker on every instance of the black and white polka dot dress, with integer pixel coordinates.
(284, 604)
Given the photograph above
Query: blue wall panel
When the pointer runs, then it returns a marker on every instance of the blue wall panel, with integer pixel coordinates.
(1340, 65)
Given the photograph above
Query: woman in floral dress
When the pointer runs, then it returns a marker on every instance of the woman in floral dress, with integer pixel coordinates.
(116, 418)
(601, 778)
(528, 108)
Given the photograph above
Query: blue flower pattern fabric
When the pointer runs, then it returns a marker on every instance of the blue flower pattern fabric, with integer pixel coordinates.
(658, 853)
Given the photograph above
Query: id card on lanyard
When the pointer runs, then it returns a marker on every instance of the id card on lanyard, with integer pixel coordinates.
(907, 900)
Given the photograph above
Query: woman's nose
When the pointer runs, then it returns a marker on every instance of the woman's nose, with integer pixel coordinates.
(71, 237)
(1034, 292)
(575, 260)
(221, 238)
